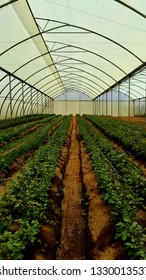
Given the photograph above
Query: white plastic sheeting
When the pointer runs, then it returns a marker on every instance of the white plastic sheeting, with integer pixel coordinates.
(62, 45)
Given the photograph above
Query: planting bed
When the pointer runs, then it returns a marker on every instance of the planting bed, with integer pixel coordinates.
(77, 197)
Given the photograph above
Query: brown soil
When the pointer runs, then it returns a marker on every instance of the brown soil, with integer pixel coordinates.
(87, 232)
(131, 119)
(12, 171)
(72, 244)
(101, 227)
(29, 130)
(15, 147)
(79, 224)
(30, 139)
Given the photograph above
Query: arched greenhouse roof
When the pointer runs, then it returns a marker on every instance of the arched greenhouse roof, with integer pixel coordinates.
(62, 45)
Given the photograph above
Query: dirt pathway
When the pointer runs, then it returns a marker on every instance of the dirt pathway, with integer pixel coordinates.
(87, 230)
(72, 244)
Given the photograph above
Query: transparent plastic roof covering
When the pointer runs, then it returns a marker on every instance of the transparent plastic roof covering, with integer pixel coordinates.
(63, 45)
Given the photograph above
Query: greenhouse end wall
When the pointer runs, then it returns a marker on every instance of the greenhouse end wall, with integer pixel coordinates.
(106, 108)
(81, 107)
(73, 107)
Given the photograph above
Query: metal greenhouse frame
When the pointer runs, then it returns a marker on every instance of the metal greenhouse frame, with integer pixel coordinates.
(44, 56)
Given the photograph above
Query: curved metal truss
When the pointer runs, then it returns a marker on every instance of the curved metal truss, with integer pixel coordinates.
(61, 65)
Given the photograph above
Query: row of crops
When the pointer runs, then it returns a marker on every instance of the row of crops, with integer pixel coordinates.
(123, 185)
(132, 136)
(41, 137)
(20, 120)
(14, 145)
(22, 208)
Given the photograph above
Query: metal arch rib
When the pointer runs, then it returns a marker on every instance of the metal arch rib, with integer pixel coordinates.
(74, 59)
(64, 24)
(57, 92)
(70, 88)
(84, 63)
(80, 76)
(133, 72)
(67, 81)
(87, 92)
(131, 8)
(68, 45)
(8, 3)
(88, 73)
(42, 38)
(66, 58)
(17, 78)
(72, 67)
(58, 62)
(74, 80)
(90, 31)
(80, 91)
(80, 48)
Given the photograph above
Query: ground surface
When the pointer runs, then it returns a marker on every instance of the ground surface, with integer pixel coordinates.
(132, 119)
(82, 226)
(87, 229)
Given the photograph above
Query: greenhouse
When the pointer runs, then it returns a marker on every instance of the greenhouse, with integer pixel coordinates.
(72, 130)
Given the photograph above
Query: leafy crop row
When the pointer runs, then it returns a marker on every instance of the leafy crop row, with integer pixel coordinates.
(117, 192)
(9, 135)
(128, 170)
(32, 143)
(19, 120)
(130, 138)
(22, 209)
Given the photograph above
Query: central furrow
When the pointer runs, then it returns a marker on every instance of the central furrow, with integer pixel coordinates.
(72, 243)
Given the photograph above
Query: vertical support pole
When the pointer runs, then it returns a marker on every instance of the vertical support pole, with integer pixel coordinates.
(145, 108)
(42, 103)
(129, 84)
(80, 105)
(106, 105)
(37, 102)
(23, 99)
(119, 100)
(111, 102)
(99, 105)
(31, 102)
(102, 105)
(48, 104)
(49, 107)
(10, 88)
(66, 103)
(45, 103)
(139, 107)
(52, 106)
(134, 107)
(51, 111)
(95, 106)
(145, 101)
